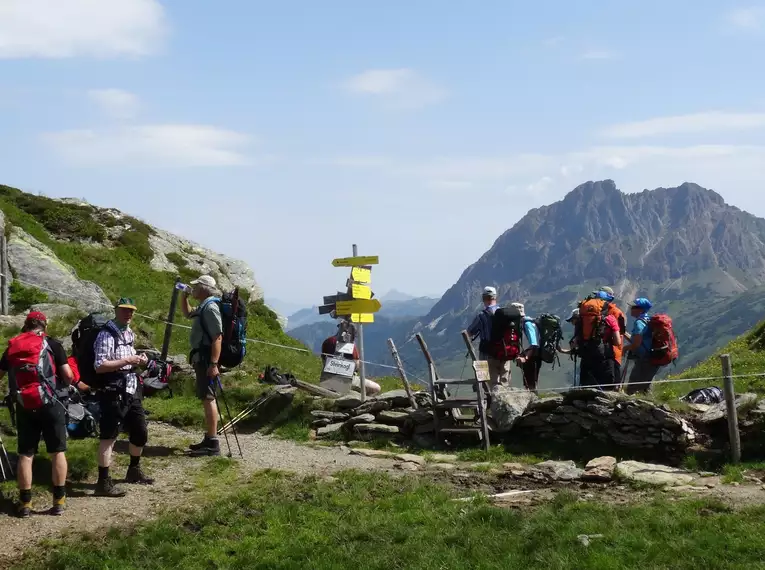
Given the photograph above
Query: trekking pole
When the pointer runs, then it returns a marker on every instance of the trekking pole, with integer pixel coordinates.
(233, 429)
(576, 376)
(220, 415)
(624, 375)
(7, 460)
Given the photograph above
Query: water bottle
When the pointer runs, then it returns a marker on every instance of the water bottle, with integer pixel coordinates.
(183, 287)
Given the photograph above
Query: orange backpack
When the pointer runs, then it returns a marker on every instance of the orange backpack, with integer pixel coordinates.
(592, 322)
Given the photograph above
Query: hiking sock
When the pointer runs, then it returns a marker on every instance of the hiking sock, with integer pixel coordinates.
(25, 496)
(59, 495)
(134, 460)
(103, 473)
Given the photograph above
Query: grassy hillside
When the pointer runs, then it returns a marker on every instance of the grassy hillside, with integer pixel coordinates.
(747, 354)
(78, 236)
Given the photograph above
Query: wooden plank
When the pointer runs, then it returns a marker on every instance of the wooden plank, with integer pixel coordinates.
(402, 373)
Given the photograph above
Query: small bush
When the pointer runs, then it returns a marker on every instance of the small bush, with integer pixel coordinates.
(23, 297)
(177, 259)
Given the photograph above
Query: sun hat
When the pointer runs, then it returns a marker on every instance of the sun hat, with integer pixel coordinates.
(206, 280)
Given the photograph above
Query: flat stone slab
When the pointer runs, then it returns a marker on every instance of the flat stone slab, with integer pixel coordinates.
(374, 453)
(654, 474)
(444, 466)
(410, 458)
(559, 470)
(443, 458)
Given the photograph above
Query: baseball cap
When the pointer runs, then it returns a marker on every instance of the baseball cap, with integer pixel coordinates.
(489, 292)
(574, 315)
(205, 280)
(641, 303)
(37, 316)
(126, 303)
(607, 290)
(520, 307)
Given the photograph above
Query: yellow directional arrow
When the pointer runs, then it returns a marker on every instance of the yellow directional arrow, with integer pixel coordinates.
(361, 291)
(357, 306)
(362, 318)
(352, 261)
(361, 274)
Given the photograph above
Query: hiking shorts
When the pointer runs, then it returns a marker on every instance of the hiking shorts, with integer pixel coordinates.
(48, 423)
(205, 387)
(125, 412)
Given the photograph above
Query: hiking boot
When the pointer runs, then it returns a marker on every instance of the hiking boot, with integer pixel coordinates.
(107, 488)
(24, 510)
(136, 475)
(58, 508)
(207, 447)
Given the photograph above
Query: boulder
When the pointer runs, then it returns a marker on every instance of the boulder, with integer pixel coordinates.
(600, 469)
(227, 271)
(395, 398)
(334, 416)
(57, 311)
(374, 429)
(362, 419)
(34, 262)
(349, 401)
(374, 453)
(320, 423)
(717, 412)
(559, 470)
(371, 407)
(410, 458)
(421, 416)
(654, 474)
(546, 404)
(393, 418)
(507, 406)
(329, 430)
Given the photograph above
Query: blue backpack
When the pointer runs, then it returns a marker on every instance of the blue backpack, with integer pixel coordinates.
(233, 312)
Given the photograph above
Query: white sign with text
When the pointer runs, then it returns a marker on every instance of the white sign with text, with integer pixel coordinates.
(340, 367)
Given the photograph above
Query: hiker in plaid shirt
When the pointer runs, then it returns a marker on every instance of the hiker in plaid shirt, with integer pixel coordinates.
(120, 398)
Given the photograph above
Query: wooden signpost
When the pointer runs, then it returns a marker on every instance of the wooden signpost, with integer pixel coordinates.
(354, 307)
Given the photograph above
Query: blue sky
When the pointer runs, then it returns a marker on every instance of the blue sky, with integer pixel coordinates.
(420, 130)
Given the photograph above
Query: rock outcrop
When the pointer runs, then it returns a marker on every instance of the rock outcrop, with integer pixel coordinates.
(228, 272)
(35, 263)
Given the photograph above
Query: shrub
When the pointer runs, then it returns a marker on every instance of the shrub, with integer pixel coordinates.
(23, 297)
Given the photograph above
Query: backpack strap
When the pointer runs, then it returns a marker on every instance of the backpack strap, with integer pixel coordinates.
(206, 303)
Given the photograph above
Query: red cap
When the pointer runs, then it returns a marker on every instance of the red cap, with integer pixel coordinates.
(37, 316)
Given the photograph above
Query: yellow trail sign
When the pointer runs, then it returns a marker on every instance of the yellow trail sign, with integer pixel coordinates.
(361, 291)
(361, 274)
(362, 318)
(354, 261)
(357, 306)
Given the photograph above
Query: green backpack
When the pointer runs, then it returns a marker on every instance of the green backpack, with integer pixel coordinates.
(550, 337)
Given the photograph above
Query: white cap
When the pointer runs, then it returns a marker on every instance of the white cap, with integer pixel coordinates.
(490, 292)
(574, 315)
(520, 307)
(205, 280)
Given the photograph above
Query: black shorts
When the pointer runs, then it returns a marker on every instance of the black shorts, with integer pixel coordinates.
(117, 413)
(48, 422)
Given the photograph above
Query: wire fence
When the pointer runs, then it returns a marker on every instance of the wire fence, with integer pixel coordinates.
(409, 366)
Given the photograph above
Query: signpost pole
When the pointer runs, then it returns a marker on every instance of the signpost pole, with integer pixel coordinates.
(360, 336)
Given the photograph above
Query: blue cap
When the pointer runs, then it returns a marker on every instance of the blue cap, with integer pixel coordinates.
(642, 303)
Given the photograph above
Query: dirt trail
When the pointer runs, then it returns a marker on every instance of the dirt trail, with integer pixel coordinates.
(174, 482)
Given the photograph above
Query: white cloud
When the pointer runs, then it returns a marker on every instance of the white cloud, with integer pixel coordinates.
(599, 54)
(752, 18)
(710, 121)
(115, 102)
(399, 88)
(73, 28)
(170, 145)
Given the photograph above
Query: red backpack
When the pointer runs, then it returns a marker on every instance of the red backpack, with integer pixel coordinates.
(505, 342)
(663, 341)
(33, 370)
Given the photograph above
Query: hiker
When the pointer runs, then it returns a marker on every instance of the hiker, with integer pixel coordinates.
(120, 398)
(206, 341)
(530, 360)
(599, 340)
(639, 349)
(39, 410)
(328, 348)
(574, 320)
(499, 369)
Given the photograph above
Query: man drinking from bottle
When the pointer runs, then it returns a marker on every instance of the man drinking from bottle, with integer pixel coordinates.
(206, 342)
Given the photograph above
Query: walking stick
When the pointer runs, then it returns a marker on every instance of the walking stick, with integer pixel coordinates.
(228, 411)
(7, 460)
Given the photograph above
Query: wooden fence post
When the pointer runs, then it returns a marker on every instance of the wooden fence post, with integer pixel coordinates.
(402, 372)
(4, 276)
(730, 404)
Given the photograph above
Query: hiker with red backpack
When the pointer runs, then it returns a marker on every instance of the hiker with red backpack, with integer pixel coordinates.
(652, 345)
(38, 376)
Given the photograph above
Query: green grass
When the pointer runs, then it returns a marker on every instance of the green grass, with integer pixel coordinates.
(496, 454)
(23, 297)
(371, 521)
